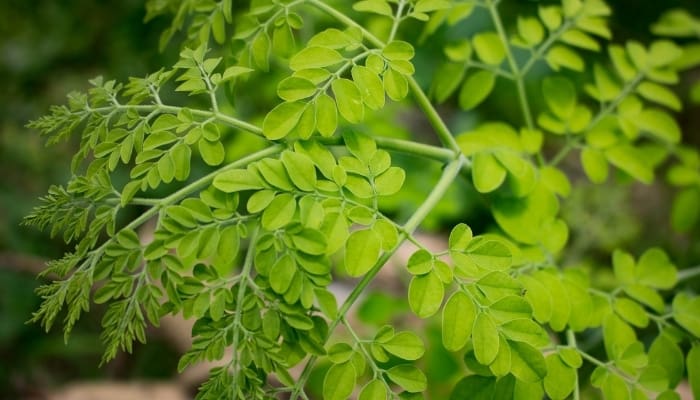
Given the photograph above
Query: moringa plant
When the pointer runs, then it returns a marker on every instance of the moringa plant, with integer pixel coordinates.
(282, 152)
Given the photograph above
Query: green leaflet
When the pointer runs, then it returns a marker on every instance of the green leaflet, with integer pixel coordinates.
(301, 170)
(421, 262)
(362, 251)
(408, 377)
(334, 39)
(561, 304)
(476, 89)
(487, 173)
(349, 100)
(539, 297)
(425, 294)
(315, 57)
(395, 84)
(489, 48)
(486, 339)
(447, 79)
(561, 378)
(458, 317)
(660, 124)
(501, 365)
(530, 30)
(510, 308)
(527, 363)
(294, 88)
(370, 86)
(373, 6)
(398, 50)
(525, 330)
(594, 165)
(460, 236)
(339, 381)
(405, 345)
(212, 152)
(260, 51)
(274, 173)
(237, 180)
(475, 387)
(282, 119)
(390, 181)
(560, 95)
(561, 56)
(326, 115)
(659, 94)
(374, 390)
(664, 352)
(685, 313)
(361, 146)
(279, 212)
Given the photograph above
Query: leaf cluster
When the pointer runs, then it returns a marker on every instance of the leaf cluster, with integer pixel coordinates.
(250, 249)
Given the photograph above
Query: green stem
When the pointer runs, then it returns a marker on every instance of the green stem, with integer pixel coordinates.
(609, 366)
(571, 341)
(610, 107)
(410, 147)
(210, 88)
(221, 117)
(245, 274)
(561, 154)
(592, 359)
(546, 45)
(397, 20)
(434, 118)
(515, 70)
(376, 370)
(414, 148)
(448, 176)
(496, 70)
(688, 273)
(524, 104)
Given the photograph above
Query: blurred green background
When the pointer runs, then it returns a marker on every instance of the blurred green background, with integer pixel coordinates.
(50, 47)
